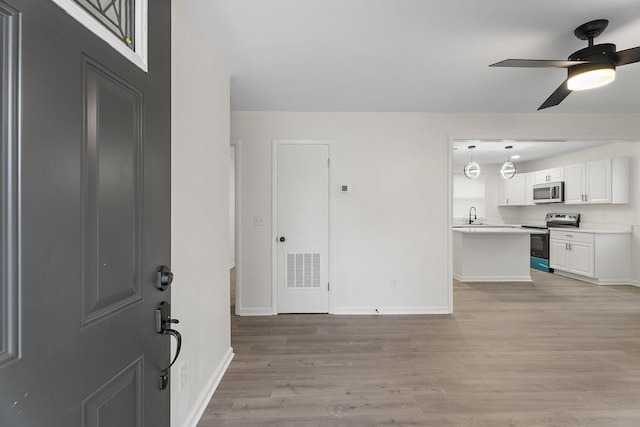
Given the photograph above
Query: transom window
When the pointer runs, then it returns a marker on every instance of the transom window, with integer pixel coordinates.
(120, 23)
(117, 15)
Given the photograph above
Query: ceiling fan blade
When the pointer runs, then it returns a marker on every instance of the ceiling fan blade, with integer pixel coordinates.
(537, 63)
(628, 56)
(557, 96)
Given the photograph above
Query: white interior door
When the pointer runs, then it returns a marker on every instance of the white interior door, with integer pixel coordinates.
(302, 229)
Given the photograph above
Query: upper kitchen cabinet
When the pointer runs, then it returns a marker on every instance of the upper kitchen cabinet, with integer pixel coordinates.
(549, 175)
(529, 182)
(597, 182)
(511, 192)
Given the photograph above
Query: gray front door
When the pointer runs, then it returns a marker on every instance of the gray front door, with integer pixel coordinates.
(85, 174)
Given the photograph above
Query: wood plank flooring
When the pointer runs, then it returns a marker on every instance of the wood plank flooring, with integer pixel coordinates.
(557, 352)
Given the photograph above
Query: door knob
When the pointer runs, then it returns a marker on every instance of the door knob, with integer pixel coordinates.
(282, 239)
(164, 277)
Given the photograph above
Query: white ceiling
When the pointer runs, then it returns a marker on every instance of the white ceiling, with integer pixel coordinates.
(412, 55)
(493, 152)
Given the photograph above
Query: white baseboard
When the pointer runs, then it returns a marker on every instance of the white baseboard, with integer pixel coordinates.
(606, 282)
(492, 279)
(390, 310)
(255, 311)
(615, 283)
(205, 396)
(266, 311)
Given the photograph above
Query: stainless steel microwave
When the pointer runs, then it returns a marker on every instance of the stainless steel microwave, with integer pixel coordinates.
(549, 192)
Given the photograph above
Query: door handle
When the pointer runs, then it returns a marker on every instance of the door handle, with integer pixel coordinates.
(164, 277)
(163, 326)
(282, 239)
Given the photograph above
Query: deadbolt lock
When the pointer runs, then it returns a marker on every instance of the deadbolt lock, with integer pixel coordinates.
(164, 277)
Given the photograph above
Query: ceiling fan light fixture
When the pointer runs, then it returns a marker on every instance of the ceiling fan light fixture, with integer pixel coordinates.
(590, 76)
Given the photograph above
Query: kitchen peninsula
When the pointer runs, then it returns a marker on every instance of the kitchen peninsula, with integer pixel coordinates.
(491, 254)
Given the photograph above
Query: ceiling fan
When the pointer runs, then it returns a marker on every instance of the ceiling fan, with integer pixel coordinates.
(587, 68)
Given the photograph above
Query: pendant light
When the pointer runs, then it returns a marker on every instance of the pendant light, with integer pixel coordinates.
(509, 168)
(471, 169)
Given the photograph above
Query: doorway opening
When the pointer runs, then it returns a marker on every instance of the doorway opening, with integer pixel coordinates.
(233, 225)
(489, 199)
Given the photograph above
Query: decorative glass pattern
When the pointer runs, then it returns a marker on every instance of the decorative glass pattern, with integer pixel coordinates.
(116, 15)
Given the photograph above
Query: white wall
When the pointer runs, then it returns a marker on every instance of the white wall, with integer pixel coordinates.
(199, 217)
(468, 193)
(395, 222)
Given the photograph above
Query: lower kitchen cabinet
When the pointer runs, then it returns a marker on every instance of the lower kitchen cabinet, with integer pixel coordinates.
(599, 257)
(573, 253)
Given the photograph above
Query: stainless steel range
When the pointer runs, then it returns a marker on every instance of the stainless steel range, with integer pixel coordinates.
(540, 241)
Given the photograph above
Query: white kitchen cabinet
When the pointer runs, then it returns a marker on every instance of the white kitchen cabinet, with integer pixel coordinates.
(597, 182)
(598, 257)
(558, 254)
(549, 175)
(529, 182)
(572, 252)
(511, 192)
(581, 258)
(574, 183)
(515, 190)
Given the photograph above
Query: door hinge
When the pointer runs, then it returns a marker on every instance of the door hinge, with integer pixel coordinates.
(328, 286)
(328, 163)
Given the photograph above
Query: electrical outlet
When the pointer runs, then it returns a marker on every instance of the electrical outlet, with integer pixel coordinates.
(258, 221)
(394, 284)
(182, 376)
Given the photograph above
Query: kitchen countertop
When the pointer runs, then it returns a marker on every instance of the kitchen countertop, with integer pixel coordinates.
(591, 230)
(497, 230)
(482, 225)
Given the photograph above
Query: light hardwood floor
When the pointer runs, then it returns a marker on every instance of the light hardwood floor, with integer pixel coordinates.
(558, 352)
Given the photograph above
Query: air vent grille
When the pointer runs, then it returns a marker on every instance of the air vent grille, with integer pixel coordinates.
(303, 270)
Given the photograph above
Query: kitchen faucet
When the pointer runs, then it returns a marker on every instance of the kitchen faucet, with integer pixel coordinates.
(475, 214)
